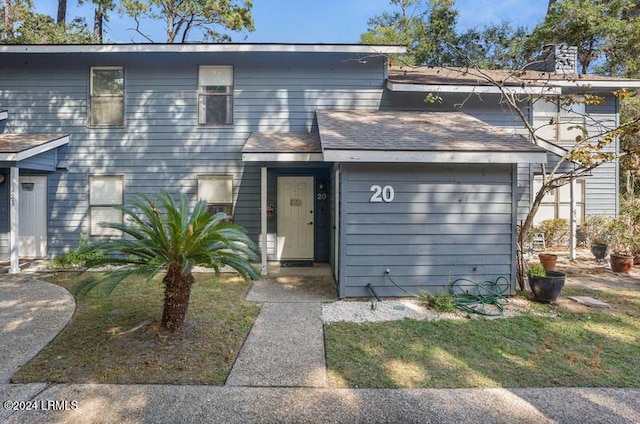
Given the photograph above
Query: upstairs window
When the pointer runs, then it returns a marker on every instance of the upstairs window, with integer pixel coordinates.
(107, 97)
(555, 121)
(105, 192)
(217, 191)
(215, 95)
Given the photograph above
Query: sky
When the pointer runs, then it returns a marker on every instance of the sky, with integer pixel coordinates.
(319, 21)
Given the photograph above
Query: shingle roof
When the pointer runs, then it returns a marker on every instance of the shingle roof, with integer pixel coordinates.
(16, 143)
(272, 142)
(414, 131)
(433, 75)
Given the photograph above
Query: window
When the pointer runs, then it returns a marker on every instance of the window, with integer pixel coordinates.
(105, 192)
(557, 203)
(215, 95)
(107, 96)
(217, 191)
(556, 121)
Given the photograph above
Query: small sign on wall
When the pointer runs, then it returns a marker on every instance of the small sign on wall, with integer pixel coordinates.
(295, 202)
(384, 194)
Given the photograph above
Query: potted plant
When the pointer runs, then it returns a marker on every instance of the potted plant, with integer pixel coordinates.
(548, 260)
(545, 285)
(599, 229)
(623, 243)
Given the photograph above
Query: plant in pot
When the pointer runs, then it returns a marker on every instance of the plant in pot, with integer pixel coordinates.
(598, 231)
(623, 243)
(545, 285)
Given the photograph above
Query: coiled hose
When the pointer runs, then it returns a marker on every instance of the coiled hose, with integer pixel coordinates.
(484, 298)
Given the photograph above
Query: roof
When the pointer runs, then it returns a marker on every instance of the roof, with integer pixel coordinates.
(404, 78)
(285, 147)
(17, 147)
(200, 47)
(396, 136)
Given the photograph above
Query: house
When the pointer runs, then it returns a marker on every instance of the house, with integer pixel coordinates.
(322, 152)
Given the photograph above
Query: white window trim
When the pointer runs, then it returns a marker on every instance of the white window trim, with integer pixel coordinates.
(581, 185)
(230, 205)
(124, 101)
(231, 95)
(104, 205)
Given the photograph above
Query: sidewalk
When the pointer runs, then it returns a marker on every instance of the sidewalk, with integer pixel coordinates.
(284, 352)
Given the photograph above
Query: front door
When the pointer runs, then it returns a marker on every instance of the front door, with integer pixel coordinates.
(296, 217)
(33, 217)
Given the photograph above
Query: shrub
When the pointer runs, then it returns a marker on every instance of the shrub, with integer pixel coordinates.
(556, 232)
(442, 302)
(598, 229)
(536, 269)
(77, 256)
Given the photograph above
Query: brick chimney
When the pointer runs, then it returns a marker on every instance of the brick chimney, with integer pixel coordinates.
(557, 58)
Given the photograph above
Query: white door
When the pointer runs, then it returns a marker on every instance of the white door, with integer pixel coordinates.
(33, 217)
(296, 217)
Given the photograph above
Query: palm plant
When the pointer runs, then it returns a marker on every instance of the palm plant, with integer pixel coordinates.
(172, 242)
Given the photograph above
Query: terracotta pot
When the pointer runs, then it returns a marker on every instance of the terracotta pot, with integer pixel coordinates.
(548, 261)
(547, 289)
(621, 263)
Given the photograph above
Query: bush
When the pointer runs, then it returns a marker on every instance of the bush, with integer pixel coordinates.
(442, 302)
(77, 256)
(599, 229)
(556, 232)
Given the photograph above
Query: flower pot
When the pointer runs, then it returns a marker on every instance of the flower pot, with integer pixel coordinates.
(547, 289)
(600, 251)
(621, 263)
(548, 261)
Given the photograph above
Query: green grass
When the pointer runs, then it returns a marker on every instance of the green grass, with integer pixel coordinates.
(117, 339)
(579, 348)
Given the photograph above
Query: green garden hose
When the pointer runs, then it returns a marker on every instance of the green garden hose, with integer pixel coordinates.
(487, 299)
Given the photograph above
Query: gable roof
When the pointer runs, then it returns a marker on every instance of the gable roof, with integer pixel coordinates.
(394, 136)
(430, 78)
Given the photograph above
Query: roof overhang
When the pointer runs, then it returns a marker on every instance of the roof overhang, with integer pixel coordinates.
(479, 89)
(433, 156)
(18, 147)
(202, 48)
(282, 157)
(4, 114)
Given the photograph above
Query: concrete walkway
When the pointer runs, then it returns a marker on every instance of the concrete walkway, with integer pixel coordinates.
(285, 347)
(32, 313)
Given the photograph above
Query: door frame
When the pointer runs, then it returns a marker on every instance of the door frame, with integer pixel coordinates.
(44, 215)
(280, 207)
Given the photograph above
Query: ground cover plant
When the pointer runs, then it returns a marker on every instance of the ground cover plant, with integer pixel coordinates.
(117, 338)
(575, 346)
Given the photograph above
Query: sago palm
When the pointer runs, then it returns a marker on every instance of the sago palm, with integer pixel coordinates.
(161, 236)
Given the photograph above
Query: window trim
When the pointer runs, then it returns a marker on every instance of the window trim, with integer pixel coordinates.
(103, 205)
(230, 94)
(91, 96)
(557, 203)
(230, 205)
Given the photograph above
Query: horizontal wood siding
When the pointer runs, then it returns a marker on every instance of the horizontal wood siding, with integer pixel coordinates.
(445, 222)
(161, 146)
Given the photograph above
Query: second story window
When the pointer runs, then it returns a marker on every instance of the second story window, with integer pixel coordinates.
(559, 119)
(107, 96)
(215, 95)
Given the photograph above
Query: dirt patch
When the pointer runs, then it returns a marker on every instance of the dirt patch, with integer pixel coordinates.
(586, 272)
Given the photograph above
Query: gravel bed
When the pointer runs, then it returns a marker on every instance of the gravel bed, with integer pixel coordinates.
(396, 309)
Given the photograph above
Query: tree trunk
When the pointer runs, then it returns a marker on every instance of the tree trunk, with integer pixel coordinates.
(62, 11)
(8, 20)
(98, 19)
(177, 290)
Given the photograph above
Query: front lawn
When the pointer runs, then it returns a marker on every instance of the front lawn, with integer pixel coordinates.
(117, 339)
(581, 347)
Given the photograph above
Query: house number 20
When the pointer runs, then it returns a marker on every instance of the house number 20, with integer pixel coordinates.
(382, 194)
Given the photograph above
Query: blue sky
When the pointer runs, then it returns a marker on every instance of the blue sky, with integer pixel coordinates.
(321, 21)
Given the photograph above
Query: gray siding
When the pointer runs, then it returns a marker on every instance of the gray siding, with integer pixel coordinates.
(445, 222)
(161, 145)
